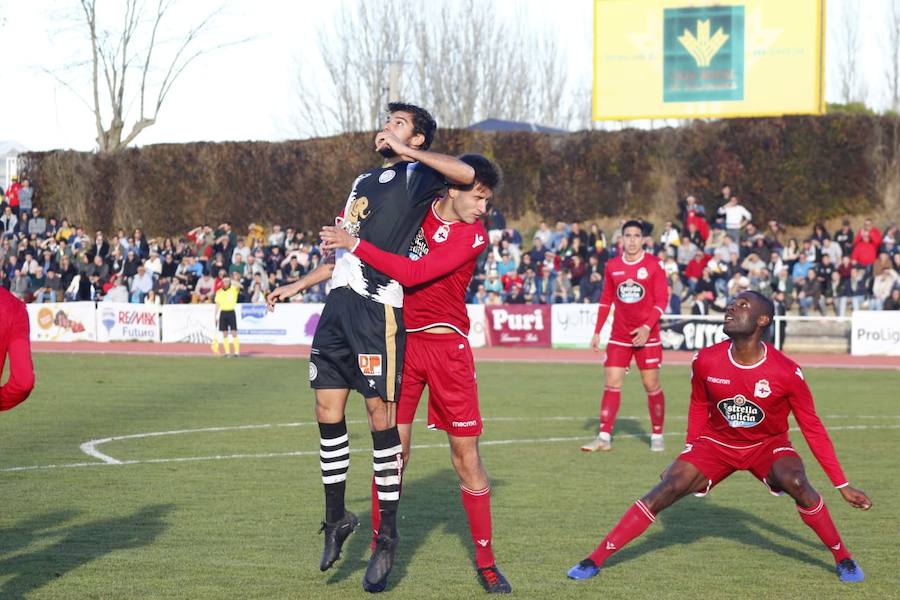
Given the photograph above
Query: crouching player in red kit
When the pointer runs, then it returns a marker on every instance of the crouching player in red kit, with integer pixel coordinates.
(635, 283)
(437, 348)
(741, 394)
(14, 341)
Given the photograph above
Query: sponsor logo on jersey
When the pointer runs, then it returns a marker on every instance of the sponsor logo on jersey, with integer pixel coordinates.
(471, 423)
(441, 234)
(741, 412)
(418, 247)
(313, 371)
(359, 211)
(630, 291)
(762, 389)
(642, 273)
(617, 273)
(387, 176)
(479, 240)
(370, 365)
(712, 379)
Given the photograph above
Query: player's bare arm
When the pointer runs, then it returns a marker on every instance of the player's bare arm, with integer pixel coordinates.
(314, 277)
(856, 498)
(453, 169)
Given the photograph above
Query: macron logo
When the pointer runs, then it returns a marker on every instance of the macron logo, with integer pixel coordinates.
(479, 240)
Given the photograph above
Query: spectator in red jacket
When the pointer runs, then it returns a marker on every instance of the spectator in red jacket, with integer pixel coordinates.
(12, 194)
(865, 249)
(14, 341)
(874, 234)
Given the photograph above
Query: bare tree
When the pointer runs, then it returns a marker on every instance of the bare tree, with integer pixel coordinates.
(847, 55)
(892, 65)
(465, 64)
(135, 63)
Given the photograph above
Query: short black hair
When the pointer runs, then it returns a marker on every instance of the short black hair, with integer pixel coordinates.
(487, 173)
(423, 122)
(633, 223)
(767, 304)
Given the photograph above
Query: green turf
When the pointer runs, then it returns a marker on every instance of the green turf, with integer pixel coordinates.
(246, 527)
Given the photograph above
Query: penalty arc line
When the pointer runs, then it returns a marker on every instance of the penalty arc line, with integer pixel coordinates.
(548, 440)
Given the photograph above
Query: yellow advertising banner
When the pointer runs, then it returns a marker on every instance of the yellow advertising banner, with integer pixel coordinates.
(704, 58)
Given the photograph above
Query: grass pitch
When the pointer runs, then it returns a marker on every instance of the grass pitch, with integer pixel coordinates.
(232, 510)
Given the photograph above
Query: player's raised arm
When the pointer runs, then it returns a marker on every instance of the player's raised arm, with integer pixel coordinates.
(453, 169)
(21, 376)
(405, 270)
(316, 276)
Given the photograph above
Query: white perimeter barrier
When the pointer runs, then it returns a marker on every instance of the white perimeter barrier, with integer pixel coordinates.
(875, 332)
(572, 325)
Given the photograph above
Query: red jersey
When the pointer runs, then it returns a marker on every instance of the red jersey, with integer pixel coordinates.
(640, 292)
(745, 406)
(437, 273)
(14, 340)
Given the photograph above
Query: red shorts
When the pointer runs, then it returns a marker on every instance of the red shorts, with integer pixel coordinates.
(717, 461)
(445, 364)
(647, 357)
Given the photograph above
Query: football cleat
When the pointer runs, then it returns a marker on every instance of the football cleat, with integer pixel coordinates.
(602, 443)
(583, 570)
(493, 581)
(335, 534)
(657, 443)
(380, 564)
(849, 572)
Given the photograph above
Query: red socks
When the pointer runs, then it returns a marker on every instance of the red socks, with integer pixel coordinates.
(633, 523)
(609, 408)
(656, 403)
(478, 509)
(819, 520)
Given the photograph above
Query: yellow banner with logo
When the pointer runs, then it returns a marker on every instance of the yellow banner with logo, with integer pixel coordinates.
(704, 58)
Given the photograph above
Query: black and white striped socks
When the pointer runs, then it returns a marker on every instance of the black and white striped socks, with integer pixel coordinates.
(334, 459)
(387, 465)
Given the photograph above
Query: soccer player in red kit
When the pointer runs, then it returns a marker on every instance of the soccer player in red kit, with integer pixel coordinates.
(741, 394)
(435, 280)
(14, 342)
(635, 283)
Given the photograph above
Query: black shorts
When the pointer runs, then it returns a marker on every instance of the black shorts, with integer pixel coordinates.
(358, 345)
(228, 320)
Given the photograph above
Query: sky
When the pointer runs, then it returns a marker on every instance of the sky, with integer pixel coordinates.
(247, 91)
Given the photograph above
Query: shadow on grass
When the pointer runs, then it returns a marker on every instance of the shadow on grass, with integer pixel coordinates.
(75, 545)
(694, 519)
(427, 505)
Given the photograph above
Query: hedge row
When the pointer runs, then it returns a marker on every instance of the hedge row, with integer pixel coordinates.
(796, 169)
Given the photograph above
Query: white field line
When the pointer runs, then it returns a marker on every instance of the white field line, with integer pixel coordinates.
(550, 440)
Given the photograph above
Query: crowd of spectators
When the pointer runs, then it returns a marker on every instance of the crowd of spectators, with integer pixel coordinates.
(709, 255)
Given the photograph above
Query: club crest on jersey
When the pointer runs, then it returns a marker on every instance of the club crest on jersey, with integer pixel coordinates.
(642, 273)
(630, 291)
(370, 364)
(762, 389)
(741, 412)
(387, 176)
(441, 234)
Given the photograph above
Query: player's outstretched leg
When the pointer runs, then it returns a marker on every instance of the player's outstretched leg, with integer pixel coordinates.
(789, 474)
(386, 464)
(334, 454)
(680, 479)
